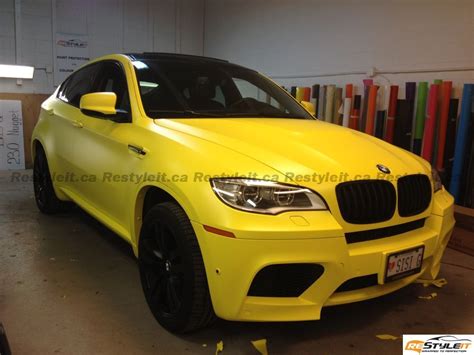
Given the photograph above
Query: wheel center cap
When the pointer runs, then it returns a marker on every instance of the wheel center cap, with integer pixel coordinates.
(167, 265)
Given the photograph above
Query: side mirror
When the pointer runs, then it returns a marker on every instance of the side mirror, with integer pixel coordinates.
(101, 103)
(309, 106)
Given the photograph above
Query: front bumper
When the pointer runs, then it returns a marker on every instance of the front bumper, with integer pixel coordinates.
(232, 263)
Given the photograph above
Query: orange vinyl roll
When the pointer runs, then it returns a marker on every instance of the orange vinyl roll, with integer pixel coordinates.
(371, 107)
(446, 88)
(306, 94)
(349, 90)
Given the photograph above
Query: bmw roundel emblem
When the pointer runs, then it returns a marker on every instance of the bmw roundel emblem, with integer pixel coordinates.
(383, 169)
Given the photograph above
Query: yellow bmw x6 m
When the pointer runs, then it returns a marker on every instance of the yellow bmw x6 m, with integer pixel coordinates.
(236, 200)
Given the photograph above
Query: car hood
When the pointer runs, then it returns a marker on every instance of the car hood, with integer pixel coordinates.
(301, 148)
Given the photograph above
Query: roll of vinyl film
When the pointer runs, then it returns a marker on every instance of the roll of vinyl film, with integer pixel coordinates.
(293, 91)
(461, 141)
(306, 94)
(392, 111)
(371, 110)
(355, 114)
(315, 97)
(347, 111)
(446, 89)
(299, 94)
(420, 116)
(349, 91)
(430, 122)
(365, 104)
(337, 113)
(330, 91)
(379, 127)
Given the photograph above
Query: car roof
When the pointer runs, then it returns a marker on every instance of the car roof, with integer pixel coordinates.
(159, 55)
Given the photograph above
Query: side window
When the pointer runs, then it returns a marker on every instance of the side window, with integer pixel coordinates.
(249, 90)
(80, 83)
(112, 79)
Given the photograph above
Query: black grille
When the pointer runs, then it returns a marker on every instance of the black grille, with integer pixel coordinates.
(358, 282)
(285, 280)
(372, 234)
(414, 194)
(366, 201)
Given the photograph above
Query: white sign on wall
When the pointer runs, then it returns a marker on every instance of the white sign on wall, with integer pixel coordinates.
(72, 51)
(12, 150)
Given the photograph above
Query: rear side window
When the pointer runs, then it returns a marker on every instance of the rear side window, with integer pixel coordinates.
(78, 84)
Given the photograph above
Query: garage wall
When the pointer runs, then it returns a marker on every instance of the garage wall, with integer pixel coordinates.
(290, 39)
(112, 25)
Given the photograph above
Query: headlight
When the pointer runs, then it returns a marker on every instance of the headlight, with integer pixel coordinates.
(264, 196)
(437, 184)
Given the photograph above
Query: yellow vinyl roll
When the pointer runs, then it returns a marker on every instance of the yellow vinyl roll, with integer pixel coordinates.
(299, 94)
(329, 107)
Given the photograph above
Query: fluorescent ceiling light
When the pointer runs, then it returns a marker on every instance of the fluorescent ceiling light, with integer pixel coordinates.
(16, 71)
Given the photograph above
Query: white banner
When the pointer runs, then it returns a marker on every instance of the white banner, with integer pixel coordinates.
(72, 51)
(12, 150)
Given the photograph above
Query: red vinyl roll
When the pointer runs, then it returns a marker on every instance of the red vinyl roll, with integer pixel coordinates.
(306, 94)
(392, 111)
(371, 107)
(430, 122)
(349, 91)
(443, 123)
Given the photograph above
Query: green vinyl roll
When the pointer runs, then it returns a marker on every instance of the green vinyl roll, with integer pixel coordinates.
(328, 114)
(420, 116)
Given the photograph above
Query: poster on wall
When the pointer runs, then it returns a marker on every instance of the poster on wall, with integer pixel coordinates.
(12, 150)
(72, 51)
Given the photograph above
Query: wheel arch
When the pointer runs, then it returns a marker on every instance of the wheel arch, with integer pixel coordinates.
(147, 197)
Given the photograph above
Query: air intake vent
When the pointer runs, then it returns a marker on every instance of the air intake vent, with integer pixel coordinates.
(414, 194)
(373, 234)
(366, 201)
(285, 280)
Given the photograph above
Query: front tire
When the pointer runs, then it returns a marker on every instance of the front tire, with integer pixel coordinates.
(46, 199)
(172, 271)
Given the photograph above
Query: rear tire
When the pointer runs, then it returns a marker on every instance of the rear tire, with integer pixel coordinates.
(46, 199)
(172, 270)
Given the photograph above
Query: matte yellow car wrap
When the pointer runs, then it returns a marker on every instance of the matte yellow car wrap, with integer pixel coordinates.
(184, 153)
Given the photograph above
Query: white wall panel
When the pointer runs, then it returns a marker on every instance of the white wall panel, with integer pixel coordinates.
(295, 37)
(113, 26)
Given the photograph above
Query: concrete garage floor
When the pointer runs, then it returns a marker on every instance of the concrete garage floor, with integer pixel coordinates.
(70, 286)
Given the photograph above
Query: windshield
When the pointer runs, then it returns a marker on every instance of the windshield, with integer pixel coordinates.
(185, 88)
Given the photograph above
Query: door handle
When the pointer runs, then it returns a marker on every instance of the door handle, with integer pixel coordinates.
(137, 150)
(77, 124)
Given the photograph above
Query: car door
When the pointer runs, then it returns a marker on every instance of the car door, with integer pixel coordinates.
(66, 123)
(104, 153)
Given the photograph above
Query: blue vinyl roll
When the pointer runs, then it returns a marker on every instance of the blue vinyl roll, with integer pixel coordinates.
(461, 141)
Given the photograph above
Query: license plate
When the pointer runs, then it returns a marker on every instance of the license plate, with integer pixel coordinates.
(404, 263)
